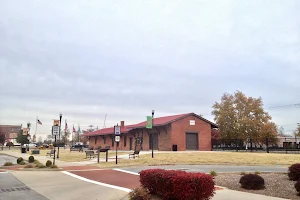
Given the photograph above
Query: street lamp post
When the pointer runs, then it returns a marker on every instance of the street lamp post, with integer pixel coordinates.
(152, 134)
(296, 136)
(60, 116)
(28, 134)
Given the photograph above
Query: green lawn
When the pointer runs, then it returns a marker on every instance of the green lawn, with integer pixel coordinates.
(213, 158)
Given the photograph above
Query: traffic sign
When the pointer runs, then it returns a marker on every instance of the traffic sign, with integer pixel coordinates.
(117, 138)
(55, 130)
(117, 130)
(25, 131)
(55, 122)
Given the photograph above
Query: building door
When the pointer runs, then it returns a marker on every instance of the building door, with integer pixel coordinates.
(155, 141)
(192, 141)
(130, 143)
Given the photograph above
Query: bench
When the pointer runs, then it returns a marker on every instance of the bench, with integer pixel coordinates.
(35, 151)
(51, 152)
(135, 154)
(76, 149)
(89, 153)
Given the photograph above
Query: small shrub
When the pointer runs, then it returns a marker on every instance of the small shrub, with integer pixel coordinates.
(213, 173)
(8, 164)
(294, 172)
(139, 194)
(30, 165)
(297, 186)
(22, 162)
(48, 163)
(31, 159)
(19, 160)
(40, 165)
(252, 182)
(53, 166)
(257, 172)
(176, 184)
(36, 162)
(243, 173)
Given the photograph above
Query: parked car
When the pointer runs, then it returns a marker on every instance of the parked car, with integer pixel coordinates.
(32, 145)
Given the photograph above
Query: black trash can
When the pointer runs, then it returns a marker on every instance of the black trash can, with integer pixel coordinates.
(23, 150)
(174, 147)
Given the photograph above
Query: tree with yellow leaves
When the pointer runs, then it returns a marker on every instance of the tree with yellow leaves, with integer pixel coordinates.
(243, 118)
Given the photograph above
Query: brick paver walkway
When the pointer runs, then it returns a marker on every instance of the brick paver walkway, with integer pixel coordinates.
(111, 177)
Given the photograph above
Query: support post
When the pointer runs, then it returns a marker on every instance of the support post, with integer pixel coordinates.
(116, 153)
(60, 116)
(54, 150)
(152, 134)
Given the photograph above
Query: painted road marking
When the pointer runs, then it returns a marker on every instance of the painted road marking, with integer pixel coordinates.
(125, 171)
(97, 183)
(84, 170)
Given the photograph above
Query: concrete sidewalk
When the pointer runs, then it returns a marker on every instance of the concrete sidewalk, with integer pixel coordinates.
(59, 186)
(227, 194)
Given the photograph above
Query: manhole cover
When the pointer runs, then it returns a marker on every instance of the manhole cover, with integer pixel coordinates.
(14, 189)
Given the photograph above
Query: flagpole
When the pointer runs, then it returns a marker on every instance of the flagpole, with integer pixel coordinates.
(72, 136)
(35, 127)
(78, 133)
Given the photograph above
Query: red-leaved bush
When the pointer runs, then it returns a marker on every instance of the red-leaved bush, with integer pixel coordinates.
(178, 185)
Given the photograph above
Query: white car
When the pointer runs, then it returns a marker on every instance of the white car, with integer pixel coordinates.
(32, 145)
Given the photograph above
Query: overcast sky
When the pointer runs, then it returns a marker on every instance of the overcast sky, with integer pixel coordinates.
(124, 58)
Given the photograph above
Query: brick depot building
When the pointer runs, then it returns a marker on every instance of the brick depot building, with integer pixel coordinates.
(185, 131)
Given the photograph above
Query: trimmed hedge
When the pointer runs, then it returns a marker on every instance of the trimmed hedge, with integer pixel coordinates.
(174, 184)
(294, 172)
(252, 182)
(48, 163)
(20, 159)
(31, 159)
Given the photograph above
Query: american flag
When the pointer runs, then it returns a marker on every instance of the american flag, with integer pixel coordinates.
(66, 125)
(39, 122)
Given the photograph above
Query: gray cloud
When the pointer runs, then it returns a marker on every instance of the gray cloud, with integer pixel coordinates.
(125, 58)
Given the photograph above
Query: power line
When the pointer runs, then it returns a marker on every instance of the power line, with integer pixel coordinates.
(297, 105)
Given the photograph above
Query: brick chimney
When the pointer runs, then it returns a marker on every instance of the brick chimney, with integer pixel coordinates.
(122, 124)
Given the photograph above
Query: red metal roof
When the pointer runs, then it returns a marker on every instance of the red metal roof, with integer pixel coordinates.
(156, 122)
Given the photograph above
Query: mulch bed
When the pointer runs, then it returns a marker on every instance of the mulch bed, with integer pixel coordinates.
(13, 167)
(277, 184)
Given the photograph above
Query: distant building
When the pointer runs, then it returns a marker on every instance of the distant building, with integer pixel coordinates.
(288, 142)
(10, 132)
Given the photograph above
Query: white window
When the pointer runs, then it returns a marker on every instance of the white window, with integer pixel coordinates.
(192, 122)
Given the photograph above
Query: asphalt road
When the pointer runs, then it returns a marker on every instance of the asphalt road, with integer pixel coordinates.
(208, 168)
(5, 158)
(12, 189)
